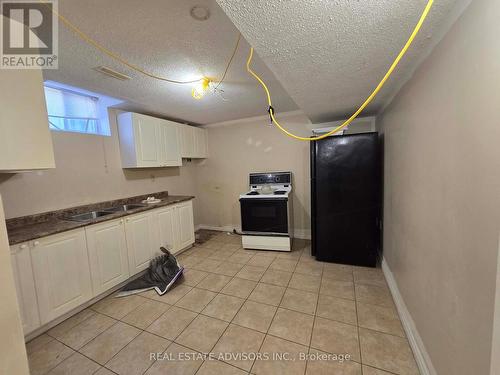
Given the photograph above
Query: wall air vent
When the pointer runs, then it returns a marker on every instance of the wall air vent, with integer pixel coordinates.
(112, 73)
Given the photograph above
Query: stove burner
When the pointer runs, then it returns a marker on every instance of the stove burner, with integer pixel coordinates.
(280, 192)
(253, 193)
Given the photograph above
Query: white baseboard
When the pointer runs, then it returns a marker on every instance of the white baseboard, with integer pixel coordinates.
(422, 358)
(304, 234)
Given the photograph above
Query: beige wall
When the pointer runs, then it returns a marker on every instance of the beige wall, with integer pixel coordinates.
(88, 169)
(13, 358)
(442, 192)
(240, 147)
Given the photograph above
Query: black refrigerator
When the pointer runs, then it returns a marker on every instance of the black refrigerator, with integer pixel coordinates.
(346, 196)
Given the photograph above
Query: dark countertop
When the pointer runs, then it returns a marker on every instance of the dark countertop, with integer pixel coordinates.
(31, 227)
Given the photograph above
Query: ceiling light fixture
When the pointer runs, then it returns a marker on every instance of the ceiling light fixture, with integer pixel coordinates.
(200, 88)
(200, 13)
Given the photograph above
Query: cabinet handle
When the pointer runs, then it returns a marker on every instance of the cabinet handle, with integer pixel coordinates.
(36, 243)
(24, 246)
(121, 221)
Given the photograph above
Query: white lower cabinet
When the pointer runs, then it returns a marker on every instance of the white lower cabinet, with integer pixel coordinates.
(25, 286)
(58, 273)
(175, 226)
(186, 224)
(141, 242)
(61, 273)
(107, 251)
(168, 228)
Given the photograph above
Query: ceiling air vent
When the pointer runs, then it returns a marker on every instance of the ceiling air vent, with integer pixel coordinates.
(112, 73)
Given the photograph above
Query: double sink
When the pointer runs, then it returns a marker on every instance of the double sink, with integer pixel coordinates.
(92, 215)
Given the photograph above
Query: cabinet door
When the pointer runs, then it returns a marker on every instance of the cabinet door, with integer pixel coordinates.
(108, 254)
(26, 142)
(170, 148)
(168, 228)
(187, 141)
(147, 138)
(25, 287)
(141, 242)
(186, 224)
(61, 273)
(201, 149)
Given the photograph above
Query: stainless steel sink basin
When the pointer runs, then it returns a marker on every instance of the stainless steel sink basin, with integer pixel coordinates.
(125, 207)
(88, 216)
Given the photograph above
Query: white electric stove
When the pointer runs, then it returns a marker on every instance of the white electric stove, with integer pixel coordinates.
(266, 212)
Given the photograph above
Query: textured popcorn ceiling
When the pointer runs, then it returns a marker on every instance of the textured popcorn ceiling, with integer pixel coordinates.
(160, 36)
(330, 54)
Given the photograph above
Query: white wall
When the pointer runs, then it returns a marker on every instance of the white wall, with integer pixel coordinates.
(88, 170)
(442, 192)
(240, 147)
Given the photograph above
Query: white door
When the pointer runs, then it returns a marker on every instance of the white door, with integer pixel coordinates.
(25, 287)
(187, 141)
(168, 228)
(147, 138)
(141, 242)
(186, 224)
(170, 148)
(200, 144)
(108, 254)
(61, 273)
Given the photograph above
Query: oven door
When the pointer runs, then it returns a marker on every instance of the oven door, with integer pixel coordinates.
(264, 216)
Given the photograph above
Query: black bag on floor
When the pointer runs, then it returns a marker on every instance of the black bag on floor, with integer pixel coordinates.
(162, 273)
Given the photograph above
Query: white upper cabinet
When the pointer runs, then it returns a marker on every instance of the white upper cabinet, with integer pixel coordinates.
(61, 273)
(187, 144)
(201, 143)
(194, 142)
(147, 141)
(170, 151)
(25, 140)
(107, 250)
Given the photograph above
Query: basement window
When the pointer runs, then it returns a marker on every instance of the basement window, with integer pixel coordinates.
(72, 111)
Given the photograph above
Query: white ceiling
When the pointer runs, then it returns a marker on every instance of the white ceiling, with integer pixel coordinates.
(161, 36)
(329, 55)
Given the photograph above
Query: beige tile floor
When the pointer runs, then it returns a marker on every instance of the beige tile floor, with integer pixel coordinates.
(233, 300)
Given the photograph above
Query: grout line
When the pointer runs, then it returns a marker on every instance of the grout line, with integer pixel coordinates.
(271, 323)
(232, 319)
(314, 318)
(274, 259)
(88, 317)
(52, 368)
(357, 323)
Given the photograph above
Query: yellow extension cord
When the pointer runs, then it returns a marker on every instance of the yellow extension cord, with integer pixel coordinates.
(367, 101)
(114, 56)
(393, 66)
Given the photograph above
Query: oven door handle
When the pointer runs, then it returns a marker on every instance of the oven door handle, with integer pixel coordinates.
(264, 199)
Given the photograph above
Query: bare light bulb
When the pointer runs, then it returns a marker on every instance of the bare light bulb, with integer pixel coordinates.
(200, 88)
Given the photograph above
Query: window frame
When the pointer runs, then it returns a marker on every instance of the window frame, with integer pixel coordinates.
(102, 127)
